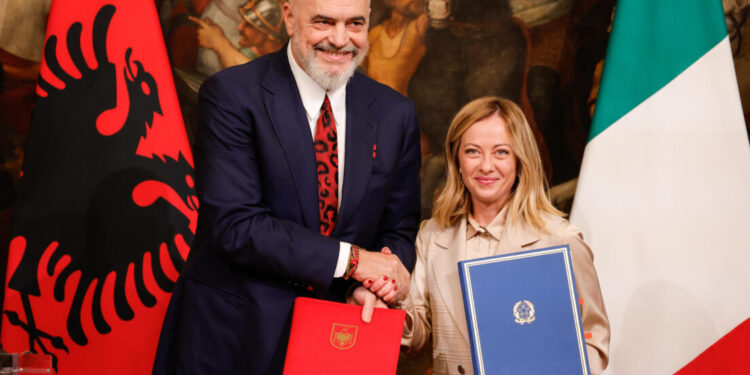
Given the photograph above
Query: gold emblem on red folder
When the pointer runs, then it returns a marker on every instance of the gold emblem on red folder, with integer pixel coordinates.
(524, 312)
(343, 336)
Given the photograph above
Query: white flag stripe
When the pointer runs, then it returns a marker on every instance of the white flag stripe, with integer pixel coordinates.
(664, 200)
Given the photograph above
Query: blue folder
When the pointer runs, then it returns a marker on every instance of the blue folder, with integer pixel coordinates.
(522, 313)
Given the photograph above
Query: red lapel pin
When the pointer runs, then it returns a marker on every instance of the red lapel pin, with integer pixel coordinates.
(374, 150)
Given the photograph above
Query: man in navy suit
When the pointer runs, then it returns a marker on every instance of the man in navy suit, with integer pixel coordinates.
(281, 140)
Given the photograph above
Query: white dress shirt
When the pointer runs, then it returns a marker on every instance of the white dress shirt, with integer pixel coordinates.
(312, 99)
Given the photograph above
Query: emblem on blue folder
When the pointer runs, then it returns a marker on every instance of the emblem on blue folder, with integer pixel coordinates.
(524, 312)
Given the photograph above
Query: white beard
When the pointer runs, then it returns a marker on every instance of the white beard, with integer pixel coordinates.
(328, 81)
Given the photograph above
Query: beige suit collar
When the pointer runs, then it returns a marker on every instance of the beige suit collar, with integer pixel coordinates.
(445, 264)
(517, 236)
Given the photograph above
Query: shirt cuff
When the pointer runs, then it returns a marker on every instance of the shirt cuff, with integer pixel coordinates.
(344, 250)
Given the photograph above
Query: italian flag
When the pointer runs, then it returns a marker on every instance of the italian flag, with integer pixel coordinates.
(664, 193)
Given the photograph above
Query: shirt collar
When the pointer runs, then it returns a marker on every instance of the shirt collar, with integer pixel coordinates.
(495, 228)
(312, 94)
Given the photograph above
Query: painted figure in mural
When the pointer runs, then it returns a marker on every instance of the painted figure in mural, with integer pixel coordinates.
(260, 33)
(567, 40)
(179, 31)
(550, 63)
(397, 44)
(223, 13)
(547, 22)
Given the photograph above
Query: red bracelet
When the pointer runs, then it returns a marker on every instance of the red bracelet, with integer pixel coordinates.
(351, 267)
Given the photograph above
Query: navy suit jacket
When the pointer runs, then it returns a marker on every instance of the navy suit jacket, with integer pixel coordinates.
(258, 245)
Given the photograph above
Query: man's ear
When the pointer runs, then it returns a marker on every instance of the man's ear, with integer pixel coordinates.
(286, 10)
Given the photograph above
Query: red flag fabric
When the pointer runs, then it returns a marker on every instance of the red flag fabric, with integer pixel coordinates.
(728, 356)
(106, 209)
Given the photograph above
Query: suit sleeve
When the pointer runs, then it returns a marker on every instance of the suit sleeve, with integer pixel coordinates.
(228, 180)
(593, 314)
(398, 226)
(417, 304)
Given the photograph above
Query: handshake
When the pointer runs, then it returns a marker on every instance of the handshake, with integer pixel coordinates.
(384, 280)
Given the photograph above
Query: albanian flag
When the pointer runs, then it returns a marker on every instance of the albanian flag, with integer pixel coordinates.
(106, 209)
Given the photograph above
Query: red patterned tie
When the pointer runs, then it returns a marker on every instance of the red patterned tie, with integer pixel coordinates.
(326, 156)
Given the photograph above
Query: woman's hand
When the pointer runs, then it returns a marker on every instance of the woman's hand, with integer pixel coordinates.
(388, 287)
(368, 300)
(381, 267)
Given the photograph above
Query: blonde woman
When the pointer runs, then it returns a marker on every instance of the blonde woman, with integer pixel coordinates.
(494, 202)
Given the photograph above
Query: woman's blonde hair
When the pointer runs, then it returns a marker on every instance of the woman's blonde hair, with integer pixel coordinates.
(529, 196)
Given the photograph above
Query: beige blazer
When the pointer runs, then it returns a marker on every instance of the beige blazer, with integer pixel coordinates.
(435, 301)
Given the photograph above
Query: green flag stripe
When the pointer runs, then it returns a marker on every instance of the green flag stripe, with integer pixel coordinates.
(652, 41)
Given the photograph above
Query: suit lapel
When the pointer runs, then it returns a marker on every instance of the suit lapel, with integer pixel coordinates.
(445, 271)
(516, 237)
(285, 109)
(360, 138)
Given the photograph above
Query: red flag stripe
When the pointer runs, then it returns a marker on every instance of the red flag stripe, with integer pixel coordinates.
(727, 356)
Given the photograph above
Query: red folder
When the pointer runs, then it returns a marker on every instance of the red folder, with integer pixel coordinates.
(330, 338)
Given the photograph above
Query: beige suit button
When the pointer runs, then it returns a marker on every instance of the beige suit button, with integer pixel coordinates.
(461, 369)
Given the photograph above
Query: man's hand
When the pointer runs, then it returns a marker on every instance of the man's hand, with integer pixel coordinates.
(368, 300)
(384, 274)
